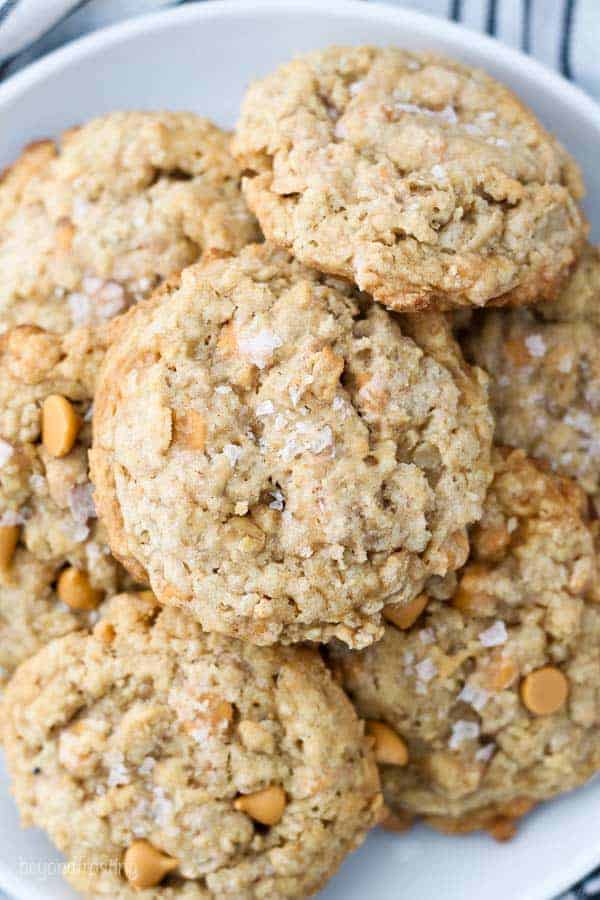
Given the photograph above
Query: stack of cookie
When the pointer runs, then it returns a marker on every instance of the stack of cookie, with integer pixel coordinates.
(343, 558)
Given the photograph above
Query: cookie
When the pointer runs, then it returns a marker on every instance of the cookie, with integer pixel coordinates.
(544, 365)
(424, 181)
(280, 455)
(93, 224)
(55, 565)
(486, 703)
(193, 765)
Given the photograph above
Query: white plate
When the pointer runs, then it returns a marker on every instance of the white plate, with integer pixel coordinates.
(201, 57)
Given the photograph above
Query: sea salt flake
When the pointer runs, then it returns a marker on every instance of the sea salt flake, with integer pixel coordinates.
(536, 345)
(13, 517)
(495, 635)
(80, 308)
(512, 524)
(6, 451)
(233, 453)
(426, 670)
(223, 389)
(118, 773)
(278, 501)
(474, 696)
(81, 502)
(426, 636)
(485, 753)
(463, 731)
(438, 171)
(447, 114)
(147, 765)
(265, 408)
(259, 347)
(322, 440)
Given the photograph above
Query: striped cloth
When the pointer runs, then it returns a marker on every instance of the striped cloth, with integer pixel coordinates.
(563, 34)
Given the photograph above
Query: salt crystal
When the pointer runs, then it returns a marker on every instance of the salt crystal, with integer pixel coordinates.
(356, 87)
(322, 440)
(118, 773)
(81, 502)
(536, 345)
(426, 670)
(6, 451)
(474, 696)
(223, 389)
(438, 171)
(233, 453)
(512, 524)
(89, 413)
(426, 636)
(80, 307)
(463, 731)
(495, 635)
(447, 114)
(265, 408)
(147, 765)
(12, 517)
(340, 130)
(91, 285)
(259, 347)
(37, 483)
(485, 753)
(278, 502)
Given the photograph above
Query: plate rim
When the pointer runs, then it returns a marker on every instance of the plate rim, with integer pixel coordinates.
(532, 71)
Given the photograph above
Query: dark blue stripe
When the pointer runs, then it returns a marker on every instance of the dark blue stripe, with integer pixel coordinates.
(492, 17)
(6, 8)
(526, 27)
(565, 43)
(455, 10)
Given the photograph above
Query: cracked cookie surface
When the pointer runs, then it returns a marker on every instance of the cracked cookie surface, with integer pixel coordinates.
(48, 524)
(281, 455)
(94, 224)
(422, 180)
(150, 730)
(494, 689)
(544, 367)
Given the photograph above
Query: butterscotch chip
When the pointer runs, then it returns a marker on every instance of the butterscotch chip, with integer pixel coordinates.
(403, 615)
(544, 691)
(265, 806)
(484, 745)
(548, 401)
(389, 747)
(75, 590)
(145, 866)
(423, 180)
(9, 538)
(60, 425)
(114, 749)
(308, 506)
(94, 223)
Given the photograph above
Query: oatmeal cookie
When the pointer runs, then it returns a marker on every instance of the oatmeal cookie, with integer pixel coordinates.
(544, 365)
(488, 702)
(281, 455)
(92, 225)
(55, 565)
(424, 181)
(189, 764)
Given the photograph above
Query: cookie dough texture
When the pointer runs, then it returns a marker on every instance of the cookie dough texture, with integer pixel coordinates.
(452, 685)
(280, 456)
(48, 499)
(93, 224)
(149, 729)
(544, 365)
(424, 181)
